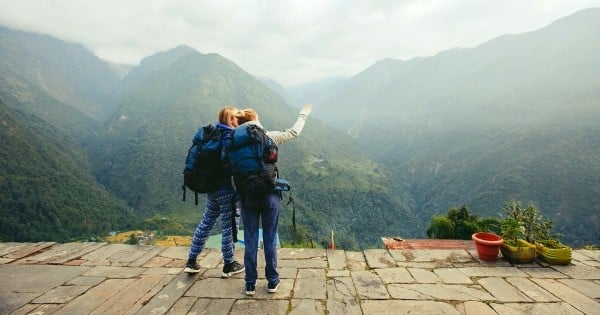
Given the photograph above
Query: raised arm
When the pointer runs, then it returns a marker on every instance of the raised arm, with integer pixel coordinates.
(284, 136)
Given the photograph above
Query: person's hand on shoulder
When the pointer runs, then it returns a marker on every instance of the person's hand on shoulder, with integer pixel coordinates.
(306, 110)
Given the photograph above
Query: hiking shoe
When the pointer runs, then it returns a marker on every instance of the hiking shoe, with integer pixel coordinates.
(250, 289)
(231, 269)
(272, 286)
(192, 266)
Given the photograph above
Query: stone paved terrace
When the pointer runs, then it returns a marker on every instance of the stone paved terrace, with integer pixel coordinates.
(101, 278)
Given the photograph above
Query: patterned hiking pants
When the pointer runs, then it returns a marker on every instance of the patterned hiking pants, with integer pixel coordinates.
(217, 203)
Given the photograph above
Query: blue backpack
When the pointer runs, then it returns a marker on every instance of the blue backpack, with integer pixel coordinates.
(252, 156)
(203, 162)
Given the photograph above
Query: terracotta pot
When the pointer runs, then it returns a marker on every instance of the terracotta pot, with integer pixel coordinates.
(488, 245)
(523, 253)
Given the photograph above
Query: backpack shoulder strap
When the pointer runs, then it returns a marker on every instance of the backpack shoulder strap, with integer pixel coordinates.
(257, 134)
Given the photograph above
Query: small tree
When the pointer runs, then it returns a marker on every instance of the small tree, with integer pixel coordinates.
(441, 228)
(132, 240)
(519, 223)
(543, 233)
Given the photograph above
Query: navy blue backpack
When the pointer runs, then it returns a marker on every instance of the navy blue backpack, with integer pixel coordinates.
(203, 162)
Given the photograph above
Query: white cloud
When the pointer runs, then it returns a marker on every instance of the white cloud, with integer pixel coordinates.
(290, 41)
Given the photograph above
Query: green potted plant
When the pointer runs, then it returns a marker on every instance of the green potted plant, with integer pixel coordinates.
(548, 246)
(517, 230)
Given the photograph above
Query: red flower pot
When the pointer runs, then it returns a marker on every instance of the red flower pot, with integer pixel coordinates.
(488, 245)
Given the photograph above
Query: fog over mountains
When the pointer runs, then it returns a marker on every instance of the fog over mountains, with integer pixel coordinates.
(515, 117)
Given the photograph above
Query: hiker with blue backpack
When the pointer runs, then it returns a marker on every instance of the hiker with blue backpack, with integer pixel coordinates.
(252, 153)
(206, 172)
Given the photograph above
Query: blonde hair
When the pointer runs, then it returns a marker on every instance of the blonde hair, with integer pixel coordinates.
(226, 113)
(246, 115)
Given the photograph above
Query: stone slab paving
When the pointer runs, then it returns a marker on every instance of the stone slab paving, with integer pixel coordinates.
(101, 278)
(477, 308)
(570, 296)
(394, 307)
(342, 297)
(379, 258)
(539, 308)
(452, 276)
(61, 253)
(588, 288)
(28, 250)
(533, 291)
(395, 275)
(307, 307)
(336, 259)
(579, 271)
(369, 285)
(311, 284)
(502, 290)
(423, 275)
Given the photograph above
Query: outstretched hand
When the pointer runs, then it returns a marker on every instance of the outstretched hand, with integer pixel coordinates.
(306, 110)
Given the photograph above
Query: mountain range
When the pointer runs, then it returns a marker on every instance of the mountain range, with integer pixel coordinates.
(515, 117)
(88, 149)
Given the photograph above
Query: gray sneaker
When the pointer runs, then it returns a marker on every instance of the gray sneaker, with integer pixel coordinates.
(231, 269)
(192, 266)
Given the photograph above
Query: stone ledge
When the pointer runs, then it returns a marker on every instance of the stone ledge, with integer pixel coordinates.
(87, 278)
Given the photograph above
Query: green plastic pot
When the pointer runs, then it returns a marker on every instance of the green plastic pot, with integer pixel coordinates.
(523, 253)
(554, 256)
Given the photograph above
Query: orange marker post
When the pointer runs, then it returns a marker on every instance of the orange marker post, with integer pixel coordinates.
(332, 245)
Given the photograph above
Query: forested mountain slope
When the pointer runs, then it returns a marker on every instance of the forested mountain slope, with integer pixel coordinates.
(516, 117)
(47, 191)
(137, 154)
(85, 152)
(335, 185)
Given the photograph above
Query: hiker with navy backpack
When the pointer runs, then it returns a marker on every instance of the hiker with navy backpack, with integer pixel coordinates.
(207, 172)
(252, 153)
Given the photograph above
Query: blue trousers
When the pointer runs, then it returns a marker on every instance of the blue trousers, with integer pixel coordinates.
(217, 203)
(266, 211)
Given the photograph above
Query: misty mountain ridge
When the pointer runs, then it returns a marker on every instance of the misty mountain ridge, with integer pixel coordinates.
(192, 89)
(65, 70)
(137, 154)
(515, 68)
(481, 124)
(467, 126)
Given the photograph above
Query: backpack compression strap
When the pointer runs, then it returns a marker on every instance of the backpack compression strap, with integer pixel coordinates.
(260, 136)
(195, 194)
(291, 200)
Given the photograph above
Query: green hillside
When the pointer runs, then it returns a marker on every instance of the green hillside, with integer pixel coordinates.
(137, 155)
(516, 117)
(47, 192)
(85, 152)
(335, 185)
(50, 98)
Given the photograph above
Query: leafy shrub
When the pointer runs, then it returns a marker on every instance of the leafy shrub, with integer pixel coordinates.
(459, 224)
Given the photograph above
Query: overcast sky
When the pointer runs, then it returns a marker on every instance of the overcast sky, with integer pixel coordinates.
(292, 42)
